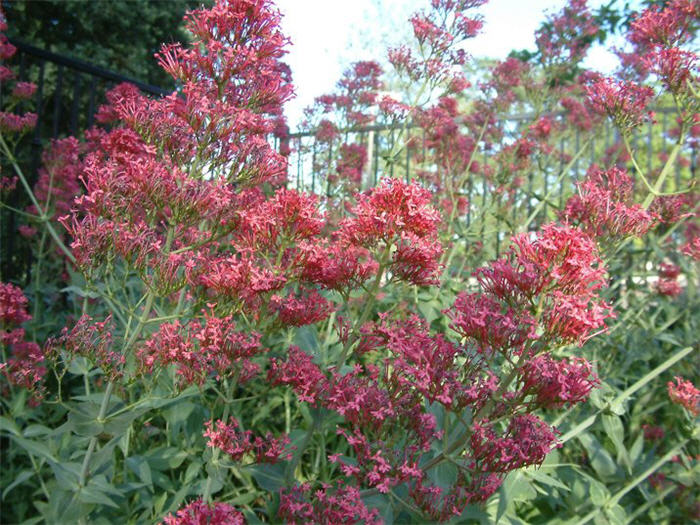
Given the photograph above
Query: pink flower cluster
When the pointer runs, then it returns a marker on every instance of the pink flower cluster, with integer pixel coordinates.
(240, 444)
(92, 340)
(202, 348)
(567, 35)
(603, 207)
(623, 101)
(684, 393)
(668, 280)
(11, 122)
(327, 505)
(199, 512)
(401, 215)
(560, 271)
(25, 366)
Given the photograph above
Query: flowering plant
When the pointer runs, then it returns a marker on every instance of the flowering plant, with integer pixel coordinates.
(238, 350)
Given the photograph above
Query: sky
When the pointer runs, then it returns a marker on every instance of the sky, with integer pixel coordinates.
(328, 35)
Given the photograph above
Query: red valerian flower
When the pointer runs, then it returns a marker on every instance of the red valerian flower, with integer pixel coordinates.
(603, 207)
(327, 505)
(684, 393)
(239, 444)
(307, 307)
(623, 101)
(526, 441)
(200, 349)
(199, 512)
(554, 384)
(399, 214)
(25, 366)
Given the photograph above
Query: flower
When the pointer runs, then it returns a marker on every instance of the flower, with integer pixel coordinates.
(684, 393)
(199, 512)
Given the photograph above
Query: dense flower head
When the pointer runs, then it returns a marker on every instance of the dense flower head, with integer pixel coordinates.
(526, 441)
(239, 444)
(623, 101)
(199, 512)
(23, 90)
(684, 393)
(554, 383)
(567, 35)
(390, 209)
(667, 25)
(653, 432)
(26, 367)
(351, 162)
(335, 265)
(327, 505)
(560, 270)
(669, 270)
(287, 217)
(307, 307)
(603, 207)
(669, 287)
(492, 325)
(59, 177)
(301, 373)
(13, 305)
(675, 68)
(201, 348)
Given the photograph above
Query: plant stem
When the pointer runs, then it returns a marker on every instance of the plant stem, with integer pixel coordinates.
(42, 217)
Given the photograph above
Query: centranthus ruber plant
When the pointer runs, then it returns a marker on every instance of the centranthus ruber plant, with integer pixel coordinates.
(232, 350)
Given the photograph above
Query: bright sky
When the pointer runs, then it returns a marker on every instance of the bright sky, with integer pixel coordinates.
(327, 35)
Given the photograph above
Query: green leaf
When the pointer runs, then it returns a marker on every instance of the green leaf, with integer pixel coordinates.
(34, 447)
(36, 430)
(80, 292)
(91, 494)
(599, 494)
(600, 459)
(141, 468)
(636, 449)
(10, 426)
(21, 478)
(165, 458)
(616, 432)
(269, 477)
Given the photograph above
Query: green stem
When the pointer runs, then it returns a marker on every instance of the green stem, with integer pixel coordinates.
(93, 440)
(43, 218)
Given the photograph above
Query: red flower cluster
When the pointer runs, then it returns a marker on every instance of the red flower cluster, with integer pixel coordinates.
(199, 513)
(201, 349)
(239, 444)
(603, 207)
(550, 280)
(400, 215)
(623, 101)
(92, 340)
(325, 506)
(25, 365)
(567, 35)
(683, 393)
(554, 384)
(9, 121)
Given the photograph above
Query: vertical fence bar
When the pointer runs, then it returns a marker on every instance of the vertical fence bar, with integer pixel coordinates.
(74, 105)
(57, 101)
(376, 156)
(408, 164)
(91, 102)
